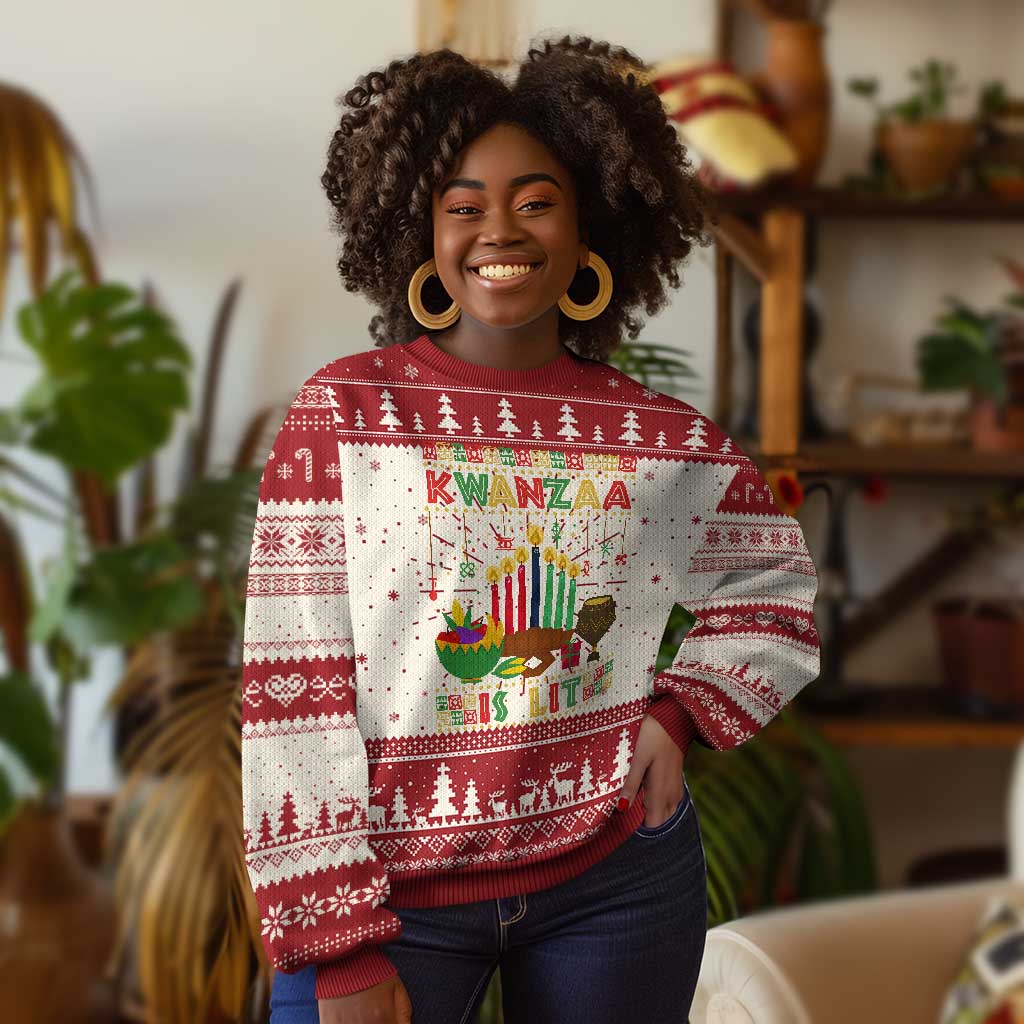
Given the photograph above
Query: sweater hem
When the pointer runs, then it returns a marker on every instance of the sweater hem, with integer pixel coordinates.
(426, 888)
(363, 968)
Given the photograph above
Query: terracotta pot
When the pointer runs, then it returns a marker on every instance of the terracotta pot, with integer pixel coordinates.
(925, 156)
(57, 926)
(794, 79)
(995, 429)
(982, 650)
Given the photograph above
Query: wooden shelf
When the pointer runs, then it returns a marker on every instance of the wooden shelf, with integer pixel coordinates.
(831, 201)
(839, 457)
(911, 716)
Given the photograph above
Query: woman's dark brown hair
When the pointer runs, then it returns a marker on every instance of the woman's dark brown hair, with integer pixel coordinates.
(639, 200)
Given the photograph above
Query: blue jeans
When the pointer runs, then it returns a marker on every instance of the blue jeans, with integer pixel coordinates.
(621, 941)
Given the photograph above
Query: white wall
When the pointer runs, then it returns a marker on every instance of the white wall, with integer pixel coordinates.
(205, 126)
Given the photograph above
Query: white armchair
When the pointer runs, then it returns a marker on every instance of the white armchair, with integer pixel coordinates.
(875, 959)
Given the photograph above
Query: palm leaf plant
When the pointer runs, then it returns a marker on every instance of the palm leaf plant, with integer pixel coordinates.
(655, 365)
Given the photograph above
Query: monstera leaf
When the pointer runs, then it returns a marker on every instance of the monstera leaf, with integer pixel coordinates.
(113, 376)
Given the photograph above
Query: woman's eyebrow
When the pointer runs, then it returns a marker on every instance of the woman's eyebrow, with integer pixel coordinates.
(523, 179)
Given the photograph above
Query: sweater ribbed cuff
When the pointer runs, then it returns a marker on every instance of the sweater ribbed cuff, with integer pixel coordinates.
(366, 967)
(674, 719)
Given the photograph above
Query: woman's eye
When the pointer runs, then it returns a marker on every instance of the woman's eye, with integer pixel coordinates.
(472, 209)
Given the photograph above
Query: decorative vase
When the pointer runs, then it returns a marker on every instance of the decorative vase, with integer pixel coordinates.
(926, 156)
(57, 925)
(794, 79)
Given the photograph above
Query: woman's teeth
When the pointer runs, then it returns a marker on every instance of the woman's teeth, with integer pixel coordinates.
(505, 269)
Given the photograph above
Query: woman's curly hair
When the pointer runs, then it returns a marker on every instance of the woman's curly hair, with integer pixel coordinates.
(588, 102)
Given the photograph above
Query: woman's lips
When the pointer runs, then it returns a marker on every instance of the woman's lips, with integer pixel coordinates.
(502, 284)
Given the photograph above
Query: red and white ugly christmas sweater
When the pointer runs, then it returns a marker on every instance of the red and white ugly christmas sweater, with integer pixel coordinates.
(459, 581)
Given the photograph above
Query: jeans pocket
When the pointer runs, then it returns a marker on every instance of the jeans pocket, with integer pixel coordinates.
(652, 831)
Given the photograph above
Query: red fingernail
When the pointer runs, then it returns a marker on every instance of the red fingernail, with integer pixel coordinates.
(622, 804)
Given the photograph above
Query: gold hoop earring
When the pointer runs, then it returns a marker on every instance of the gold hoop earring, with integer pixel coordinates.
(600, 301)
(433, 321)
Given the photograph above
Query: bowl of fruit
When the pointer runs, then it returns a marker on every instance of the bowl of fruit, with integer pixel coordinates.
(470, 648)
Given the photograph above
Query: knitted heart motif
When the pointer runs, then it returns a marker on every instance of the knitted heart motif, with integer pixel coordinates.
(801, 625)
(718, 621)
(286, 688)
(765, 618)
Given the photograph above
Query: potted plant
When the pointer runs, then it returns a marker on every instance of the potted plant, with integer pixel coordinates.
(983, 352)
(981, 636)
(923, 147)
(108, 388)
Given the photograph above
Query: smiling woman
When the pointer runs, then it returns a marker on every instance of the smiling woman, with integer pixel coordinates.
(556, 209)
(438, 777)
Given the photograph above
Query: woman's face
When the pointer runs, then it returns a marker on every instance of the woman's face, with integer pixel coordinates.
(507, 201)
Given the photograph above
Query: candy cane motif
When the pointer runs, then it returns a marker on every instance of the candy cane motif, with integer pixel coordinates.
(308, 456)
(748, 487)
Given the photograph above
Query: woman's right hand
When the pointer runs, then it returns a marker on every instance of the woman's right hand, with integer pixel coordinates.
(387, 1002)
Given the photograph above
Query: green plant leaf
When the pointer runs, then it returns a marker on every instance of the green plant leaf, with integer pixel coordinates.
(113, 377)
(128, 592)
(47, 615)
(12, 428)
(26, 726)
(863, 86)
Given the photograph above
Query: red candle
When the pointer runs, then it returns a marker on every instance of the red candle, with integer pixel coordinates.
(521, 624)
(495, 607)
(509, 619)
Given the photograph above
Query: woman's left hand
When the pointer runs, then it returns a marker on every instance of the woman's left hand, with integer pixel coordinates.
(658, 766)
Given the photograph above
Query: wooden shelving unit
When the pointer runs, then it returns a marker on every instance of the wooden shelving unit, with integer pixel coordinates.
(830, 201)
(764, 231)
(847, 458)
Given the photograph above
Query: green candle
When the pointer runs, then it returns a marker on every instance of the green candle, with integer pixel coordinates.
(560, 604)
(548, 588)
(572, 602)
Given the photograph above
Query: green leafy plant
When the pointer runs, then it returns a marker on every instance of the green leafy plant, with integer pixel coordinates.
(658, 366)
(934, 83)
(111, 379)
(993, 100)
(967, 350)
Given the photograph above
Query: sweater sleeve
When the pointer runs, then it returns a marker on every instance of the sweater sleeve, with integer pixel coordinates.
(749, 579)
(319, 886)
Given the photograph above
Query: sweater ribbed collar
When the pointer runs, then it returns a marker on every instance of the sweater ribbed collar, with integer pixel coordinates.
(561, 372)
